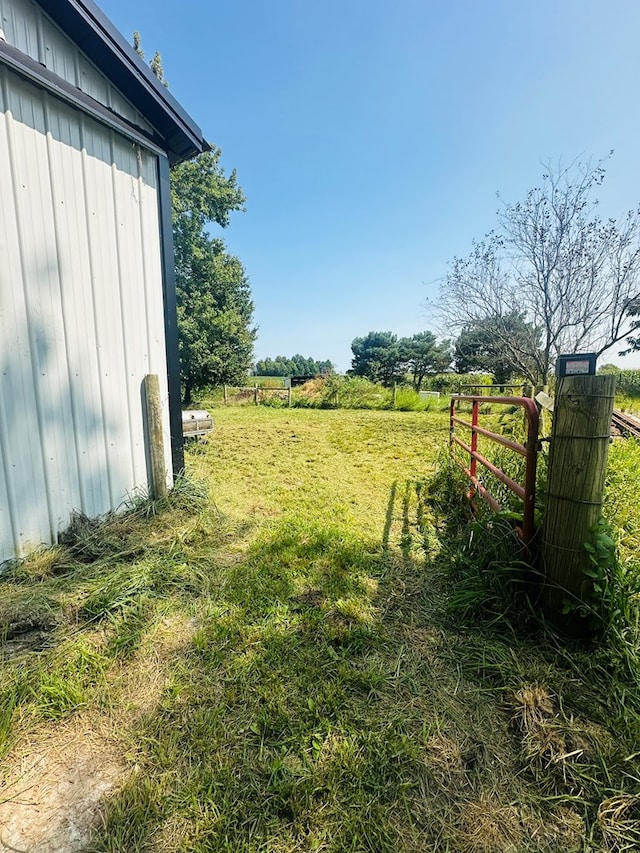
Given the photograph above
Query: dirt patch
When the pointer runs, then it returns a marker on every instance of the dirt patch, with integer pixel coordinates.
(26, 635)
(51, 791)
(52, 785)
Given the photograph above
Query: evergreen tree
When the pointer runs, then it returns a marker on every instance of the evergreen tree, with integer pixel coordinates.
(215, 310)
(298, 365)
(377, 357)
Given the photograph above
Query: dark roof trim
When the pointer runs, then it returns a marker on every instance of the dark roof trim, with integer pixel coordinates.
(94, 33)
(36, 73)
(170, 317)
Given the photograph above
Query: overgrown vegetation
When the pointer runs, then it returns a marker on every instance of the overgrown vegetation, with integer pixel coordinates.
(577, 707)
(348, 392)
(627, 387)
(325, 656)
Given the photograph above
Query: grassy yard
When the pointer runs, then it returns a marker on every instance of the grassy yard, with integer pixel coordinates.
(278, 669)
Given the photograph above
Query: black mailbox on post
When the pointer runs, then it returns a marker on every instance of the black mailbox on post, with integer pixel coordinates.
(577, 364)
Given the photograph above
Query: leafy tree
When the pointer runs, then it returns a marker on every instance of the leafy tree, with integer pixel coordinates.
(325, 367)
(609, 370)
(137, 44)
(155, 64)
(421, 355)
(215, 310)
(572, 277)
(633, 341)
(377, 357)
(497, 345)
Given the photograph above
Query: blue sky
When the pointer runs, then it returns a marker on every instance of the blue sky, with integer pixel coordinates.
(371, 137)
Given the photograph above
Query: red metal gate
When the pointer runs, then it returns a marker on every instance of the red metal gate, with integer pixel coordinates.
(526, 491)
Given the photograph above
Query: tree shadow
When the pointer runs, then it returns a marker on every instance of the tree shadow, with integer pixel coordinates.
(281, 725)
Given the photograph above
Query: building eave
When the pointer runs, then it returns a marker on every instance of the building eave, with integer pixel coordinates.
(84, 23)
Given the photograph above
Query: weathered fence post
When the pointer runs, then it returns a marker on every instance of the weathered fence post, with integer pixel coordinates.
(224, 393)
(289, 396)
(575, 485)
(255, 394)
(395, 394)
(157, 473)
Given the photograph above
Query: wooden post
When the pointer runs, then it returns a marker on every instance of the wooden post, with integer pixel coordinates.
(157, 473)
(395, 391)
(224, 393)
(255, 393)
(575, 485)
(289, 396)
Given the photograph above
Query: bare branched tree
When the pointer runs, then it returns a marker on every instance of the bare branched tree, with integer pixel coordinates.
(572, 277)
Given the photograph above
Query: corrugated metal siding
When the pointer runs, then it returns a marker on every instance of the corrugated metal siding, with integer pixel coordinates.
(30, 30)
(81, 318)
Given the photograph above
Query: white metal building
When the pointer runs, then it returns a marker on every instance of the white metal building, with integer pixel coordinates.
(87, 291)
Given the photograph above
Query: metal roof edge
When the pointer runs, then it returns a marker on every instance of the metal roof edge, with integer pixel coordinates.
(106, 47)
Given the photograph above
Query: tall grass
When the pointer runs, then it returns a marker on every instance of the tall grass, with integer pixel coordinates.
(343, 392)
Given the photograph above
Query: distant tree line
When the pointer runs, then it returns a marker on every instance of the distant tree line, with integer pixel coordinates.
(298, 365)
(627, 381)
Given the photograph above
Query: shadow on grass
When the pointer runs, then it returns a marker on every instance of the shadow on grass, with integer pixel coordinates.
(286, 725)
(388, 521)
(315, 705)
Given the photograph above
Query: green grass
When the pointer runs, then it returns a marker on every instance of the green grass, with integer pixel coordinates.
(286, 670)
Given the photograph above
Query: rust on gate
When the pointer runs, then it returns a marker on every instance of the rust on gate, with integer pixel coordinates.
(525, 491)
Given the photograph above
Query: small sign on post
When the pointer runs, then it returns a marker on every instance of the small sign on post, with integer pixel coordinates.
(577, 364)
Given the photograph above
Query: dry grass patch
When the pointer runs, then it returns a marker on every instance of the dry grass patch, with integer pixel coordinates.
(53, 783)
(619, 822)
(489, 826)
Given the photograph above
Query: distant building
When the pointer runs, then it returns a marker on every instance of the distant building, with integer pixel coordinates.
(87, 290)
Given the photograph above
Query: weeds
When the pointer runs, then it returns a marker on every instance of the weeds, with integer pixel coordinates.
(187, 494)
(575, 711)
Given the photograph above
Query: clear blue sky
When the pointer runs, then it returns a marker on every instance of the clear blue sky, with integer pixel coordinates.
(371, 136)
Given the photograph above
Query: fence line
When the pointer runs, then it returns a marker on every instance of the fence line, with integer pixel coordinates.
(256, 390)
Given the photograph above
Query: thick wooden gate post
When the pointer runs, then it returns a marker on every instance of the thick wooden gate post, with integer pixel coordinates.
(157, 472)
(575, 485)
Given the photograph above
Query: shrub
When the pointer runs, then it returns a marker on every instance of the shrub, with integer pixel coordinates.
(451, 383)
(345, 392)
(408, 400)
